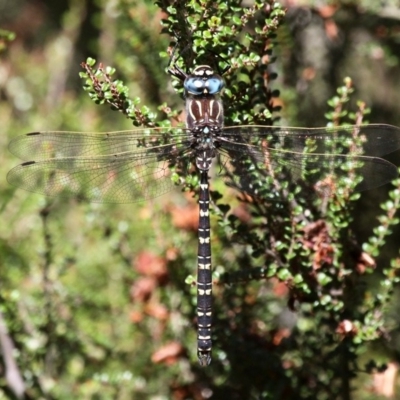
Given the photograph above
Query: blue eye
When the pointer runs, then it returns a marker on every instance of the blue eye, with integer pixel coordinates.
(194, 85)
(200, 85)
(214, 85)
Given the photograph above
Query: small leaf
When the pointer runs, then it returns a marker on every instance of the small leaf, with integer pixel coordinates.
(90, 61)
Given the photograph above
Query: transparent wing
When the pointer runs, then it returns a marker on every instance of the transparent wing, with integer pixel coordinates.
(371, 140)
(54, 144)
(118, 167)
(130, 166)
(309, 157)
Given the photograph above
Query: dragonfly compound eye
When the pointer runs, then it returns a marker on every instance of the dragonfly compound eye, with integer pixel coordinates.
(198, 85)
(214, 84)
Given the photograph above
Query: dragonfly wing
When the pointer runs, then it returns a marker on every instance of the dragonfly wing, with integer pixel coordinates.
(53, 144)
(114, 179)
(115, 167)
(369, 140)
(324, 173)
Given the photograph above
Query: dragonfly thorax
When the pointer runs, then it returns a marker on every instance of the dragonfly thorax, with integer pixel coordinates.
(204, 109)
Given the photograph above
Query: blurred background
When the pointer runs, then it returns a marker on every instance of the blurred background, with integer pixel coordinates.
(90, 293)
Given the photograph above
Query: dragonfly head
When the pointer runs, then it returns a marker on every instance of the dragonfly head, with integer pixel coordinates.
(203, 81)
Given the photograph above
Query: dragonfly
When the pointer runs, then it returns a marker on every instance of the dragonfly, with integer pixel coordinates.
(135, 165)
